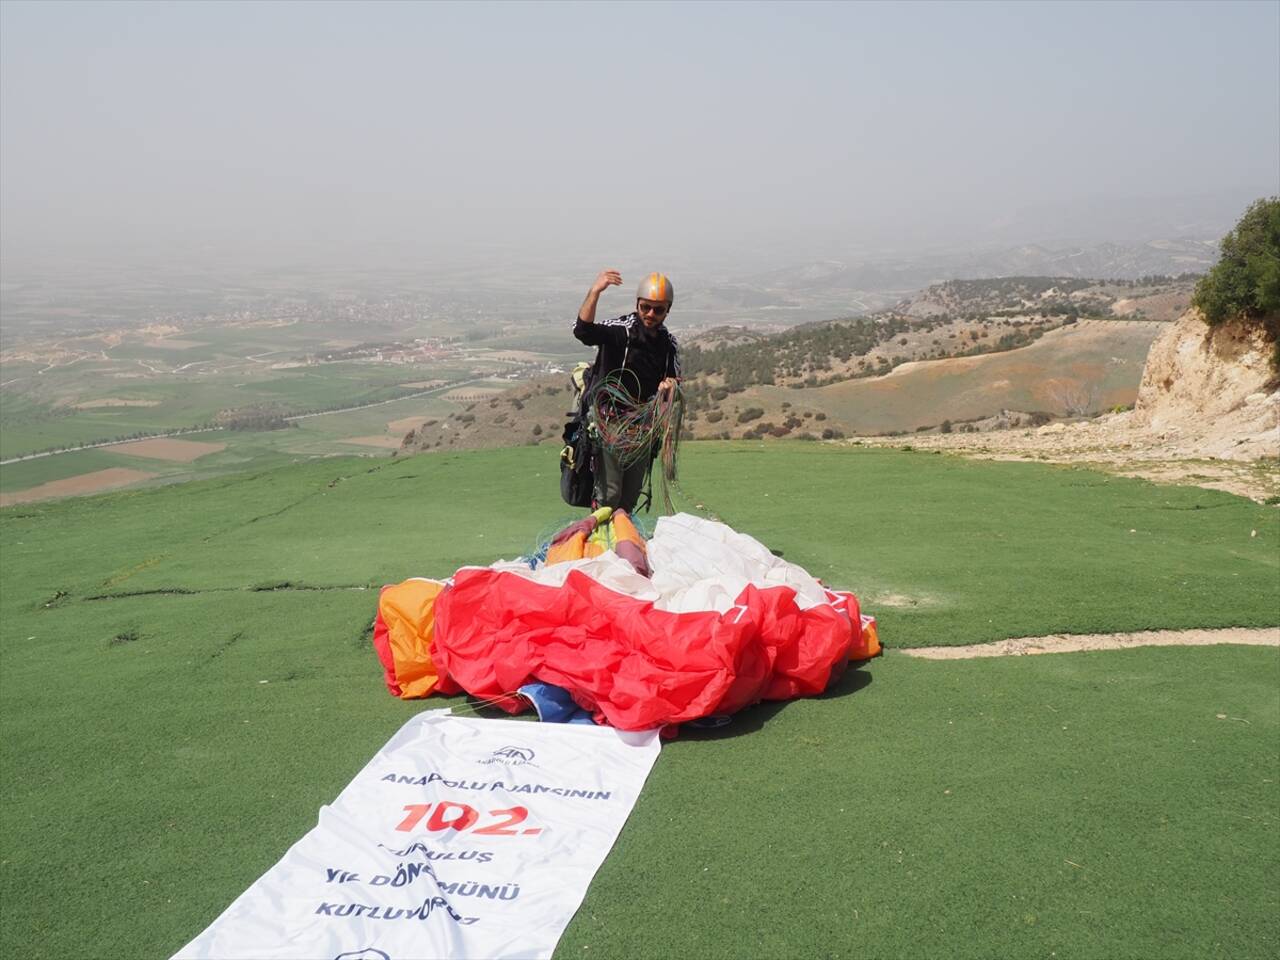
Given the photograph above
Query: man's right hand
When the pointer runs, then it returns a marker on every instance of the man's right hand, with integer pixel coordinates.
(605, 280)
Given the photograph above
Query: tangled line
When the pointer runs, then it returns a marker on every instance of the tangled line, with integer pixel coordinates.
(631, 430)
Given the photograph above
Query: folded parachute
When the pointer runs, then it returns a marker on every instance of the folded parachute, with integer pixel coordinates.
(718, 624)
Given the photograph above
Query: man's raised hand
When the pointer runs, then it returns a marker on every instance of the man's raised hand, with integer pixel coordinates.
(605, 280)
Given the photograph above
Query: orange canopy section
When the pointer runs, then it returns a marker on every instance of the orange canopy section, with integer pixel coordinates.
(402, 635)
(599, 532)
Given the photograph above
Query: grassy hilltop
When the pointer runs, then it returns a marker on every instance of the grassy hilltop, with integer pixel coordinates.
(187, 676)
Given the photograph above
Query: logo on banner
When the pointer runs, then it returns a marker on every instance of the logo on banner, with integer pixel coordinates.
(368, 953)
(511, 756)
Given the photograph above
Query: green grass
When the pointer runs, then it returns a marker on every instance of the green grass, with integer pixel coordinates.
(1074, 806)
(1097, 804)
(969, 551)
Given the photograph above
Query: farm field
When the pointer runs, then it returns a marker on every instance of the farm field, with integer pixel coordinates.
(373, 431)
(1096, 363)
(26, 426)
(1088, 805)
(103, 386)
(349, 432)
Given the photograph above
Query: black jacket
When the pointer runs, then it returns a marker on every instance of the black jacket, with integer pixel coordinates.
(625, 344)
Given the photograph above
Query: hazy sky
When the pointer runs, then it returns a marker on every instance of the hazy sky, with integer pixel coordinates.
(336, 130)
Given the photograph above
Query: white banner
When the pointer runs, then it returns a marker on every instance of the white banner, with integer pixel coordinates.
(461, 838)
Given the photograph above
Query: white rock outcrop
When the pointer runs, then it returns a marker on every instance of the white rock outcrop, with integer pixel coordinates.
(1210, 391)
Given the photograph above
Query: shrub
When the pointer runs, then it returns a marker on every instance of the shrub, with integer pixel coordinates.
(715, 416)
(251, 419)
(749, 414)
(1245, 283)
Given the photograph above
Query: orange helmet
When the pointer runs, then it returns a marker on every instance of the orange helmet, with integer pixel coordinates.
(655, 287)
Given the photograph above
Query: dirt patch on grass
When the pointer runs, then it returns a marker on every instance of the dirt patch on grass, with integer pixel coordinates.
(388, 443)
(183, 451)
(85, 483)
(1069, 643)
(405, 424)
(900, 600)
(1159, 306)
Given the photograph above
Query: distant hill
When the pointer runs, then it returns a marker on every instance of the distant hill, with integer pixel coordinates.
(805, 381)
(786, 293)
(866, 284)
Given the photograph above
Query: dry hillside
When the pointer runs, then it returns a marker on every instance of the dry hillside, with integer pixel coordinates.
(960, 353)
(1208, 411)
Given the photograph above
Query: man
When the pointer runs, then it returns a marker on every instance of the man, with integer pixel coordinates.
(639, 348)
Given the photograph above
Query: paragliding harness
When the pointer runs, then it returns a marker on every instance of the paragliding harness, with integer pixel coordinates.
(579, 456)
(577, 472)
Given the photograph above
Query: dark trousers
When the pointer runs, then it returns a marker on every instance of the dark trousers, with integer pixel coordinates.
(616, 486)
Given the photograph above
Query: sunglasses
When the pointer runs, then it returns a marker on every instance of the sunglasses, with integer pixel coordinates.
(657, 309)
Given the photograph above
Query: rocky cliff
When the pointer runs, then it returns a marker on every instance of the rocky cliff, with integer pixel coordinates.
(1211, 391)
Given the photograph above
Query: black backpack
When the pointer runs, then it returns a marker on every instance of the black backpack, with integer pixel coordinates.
(577, 476)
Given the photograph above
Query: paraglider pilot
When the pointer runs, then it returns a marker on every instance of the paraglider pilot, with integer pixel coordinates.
(643, 354)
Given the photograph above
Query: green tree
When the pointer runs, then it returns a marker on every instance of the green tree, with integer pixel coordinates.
(1245, 283)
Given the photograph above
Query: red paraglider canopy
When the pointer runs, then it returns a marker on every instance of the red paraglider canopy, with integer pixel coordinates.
(721, 624)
